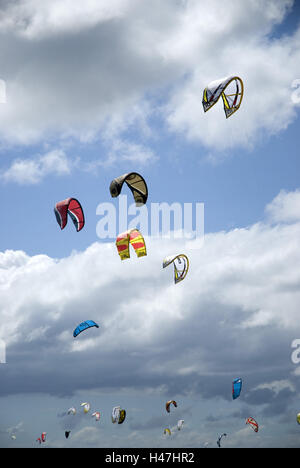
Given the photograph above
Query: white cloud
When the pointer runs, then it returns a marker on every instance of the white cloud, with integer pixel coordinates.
(242, 285)
(130, 152)
(277, 386)
(33, 19)
(248, 52)
(79, 69)
(33, 171)
(285, 207)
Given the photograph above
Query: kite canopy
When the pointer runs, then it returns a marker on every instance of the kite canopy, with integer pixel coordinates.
(84, 326)
(42, 438)
(252, 423)
(181, 266)
(122, 416)
(168, 404)
(236, 388)
(67, 433)
(118, 415)
(298, 418)
(72, 207)
(135, 182)
(167, 431)
(86, 407)
(96, 415)
(133, 237)
(220, 438)
(180, 424)
(231, 89)
(115, 415)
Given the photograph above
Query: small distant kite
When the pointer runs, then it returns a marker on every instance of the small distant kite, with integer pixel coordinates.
(180, 424)
(236, 388)
(84, 326)
(133, 237)
(118, 415)
(135, 182)
(181, 266)
(122, 416)
(252, 423)
(231, 89)
(115, 415)
(96, 415)
(67, 433)
(86, 407)
(42, 438)
(169, 403)
(220, 438)
(298, 418)
(70, 207)
(167, 431)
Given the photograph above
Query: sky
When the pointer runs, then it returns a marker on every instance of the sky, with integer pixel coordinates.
(93, 90)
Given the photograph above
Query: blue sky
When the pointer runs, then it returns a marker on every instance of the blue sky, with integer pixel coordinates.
(95, 91)
(234, 192)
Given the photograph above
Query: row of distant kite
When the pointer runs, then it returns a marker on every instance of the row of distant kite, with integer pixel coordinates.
(118, 414)
(179, 426)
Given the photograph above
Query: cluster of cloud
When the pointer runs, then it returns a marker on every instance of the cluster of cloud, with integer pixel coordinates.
(236, 313)
(32, 171)
(75, 72)
(285, 207)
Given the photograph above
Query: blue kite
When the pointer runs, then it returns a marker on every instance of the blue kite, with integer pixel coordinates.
(84, 326)
(236, 388)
